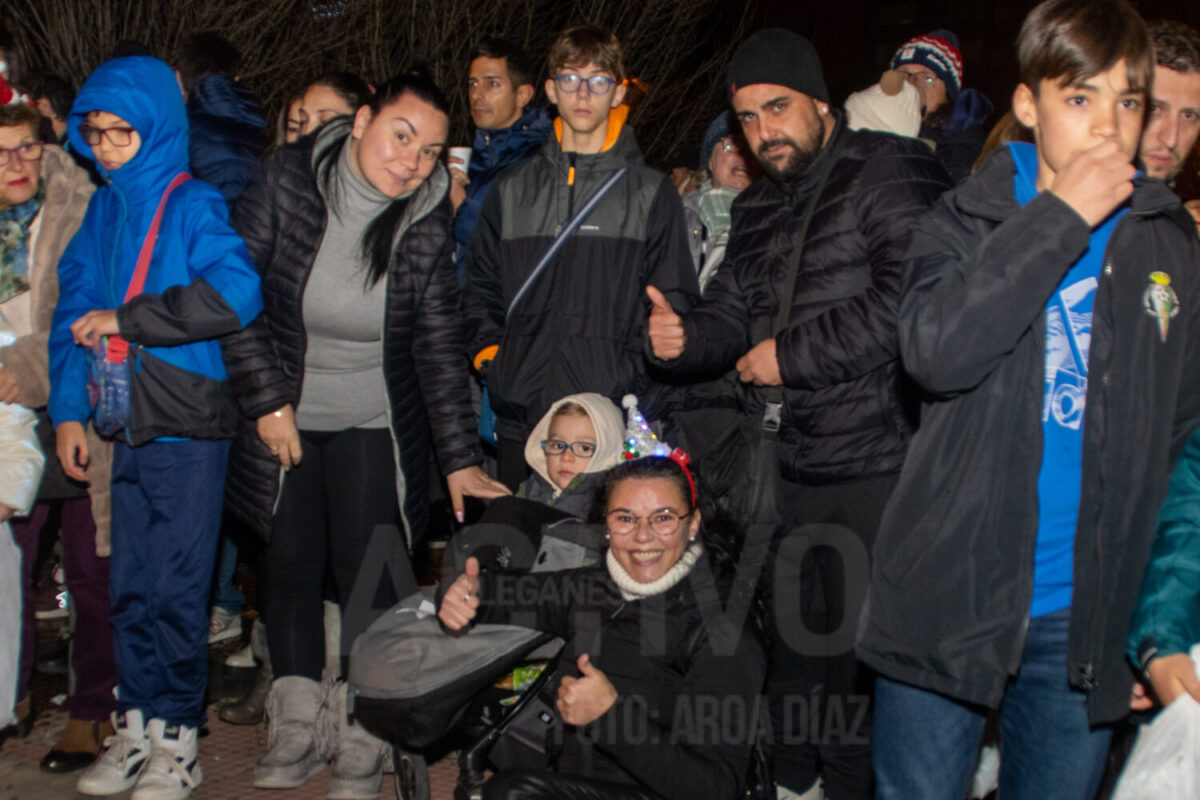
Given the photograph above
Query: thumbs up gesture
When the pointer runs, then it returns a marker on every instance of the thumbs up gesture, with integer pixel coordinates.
(667, 338)
(585, 699)
(461, 599)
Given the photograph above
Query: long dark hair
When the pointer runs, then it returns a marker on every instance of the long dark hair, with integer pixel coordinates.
(376, 242)
(723, 538)
(346, 85)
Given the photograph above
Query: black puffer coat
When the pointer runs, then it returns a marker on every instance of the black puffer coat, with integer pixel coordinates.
(282, 216)
(846, 413)
(688, 679)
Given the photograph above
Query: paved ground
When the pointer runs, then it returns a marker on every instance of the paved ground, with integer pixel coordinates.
(227, 752)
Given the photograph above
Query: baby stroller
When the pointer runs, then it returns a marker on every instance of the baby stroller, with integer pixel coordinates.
(413, 684)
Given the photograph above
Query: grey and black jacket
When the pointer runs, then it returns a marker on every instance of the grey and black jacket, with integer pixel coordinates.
(952, 579)
(846, 414)
(282, 216)
(580, 326)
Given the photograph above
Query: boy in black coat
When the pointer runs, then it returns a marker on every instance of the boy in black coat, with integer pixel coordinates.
(1050, 315)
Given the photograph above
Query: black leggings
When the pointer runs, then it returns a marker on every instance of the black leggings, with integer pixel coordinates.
(338, 512)
(525, 784)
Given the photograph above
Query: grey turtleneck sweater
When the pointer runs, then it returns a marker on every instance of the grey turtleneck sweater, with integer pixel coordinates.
(343, 317)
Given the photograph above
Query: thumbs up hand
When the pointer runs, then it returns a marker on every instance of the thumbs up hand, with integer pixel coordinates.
(461, 600)
(585, 699)
(667, 338)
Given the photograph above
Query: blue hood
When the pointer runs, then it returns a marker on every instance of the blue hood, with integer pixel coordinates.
(142, 91)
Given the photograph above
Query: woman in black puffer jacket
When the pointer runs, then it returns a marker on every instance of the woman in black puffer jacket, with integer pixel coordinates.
(658, 694)
(355, 361)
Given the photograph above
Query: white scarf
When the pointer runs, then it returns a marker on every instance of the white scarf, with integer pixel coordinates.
(636, 590)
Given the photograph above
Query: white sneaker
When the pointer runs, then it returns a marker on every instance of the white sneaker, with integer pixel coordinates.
(223, 625)
(173, 769)
(125, 755)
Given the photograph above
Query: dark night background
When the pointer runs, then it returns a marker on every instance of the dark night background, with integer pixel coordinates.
(856, 40)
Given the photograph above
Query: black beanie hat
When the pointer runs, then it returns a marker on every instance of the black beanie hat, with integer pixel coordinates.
(778, 56)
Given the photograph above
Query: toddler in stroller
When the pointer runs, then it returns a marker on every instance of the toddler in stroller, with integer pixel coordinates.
(409, 680)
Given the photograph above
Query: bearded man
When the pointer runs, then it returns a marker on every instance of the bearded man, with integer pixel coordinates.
(846, 413)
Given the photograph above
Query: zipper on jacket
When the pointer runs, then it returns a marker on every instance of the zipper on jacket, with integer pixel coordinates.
(112, 255)
(571, 185)
(135, 353)
(1087, 678)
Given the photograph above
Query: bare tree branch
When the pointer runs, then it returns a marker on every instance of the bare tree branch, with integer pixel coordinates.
(676, 49)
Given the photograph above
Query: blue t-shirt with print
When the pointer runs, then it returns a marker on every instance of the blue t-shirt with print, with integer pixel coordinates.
(1068, 338)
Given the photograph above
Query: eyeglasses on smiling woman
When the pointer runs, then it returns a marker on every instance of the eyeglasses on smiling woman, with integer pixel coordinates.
(663, 523)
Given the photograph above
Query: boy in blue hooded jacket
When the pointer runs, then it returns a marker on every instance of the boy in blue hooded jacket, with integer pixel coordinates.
(169, 462)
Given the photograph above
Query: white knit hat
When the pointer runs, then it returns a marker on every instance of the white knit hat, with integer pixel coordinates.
(874, 109)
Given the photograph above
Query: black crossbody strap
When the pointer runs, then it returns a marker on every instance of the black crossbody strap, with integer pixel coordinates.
(772, 414)
(563, 234)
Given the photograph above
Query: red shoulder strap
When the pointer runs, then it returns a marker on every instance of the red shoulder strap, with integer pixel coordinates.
(117, 348)
(143, 262)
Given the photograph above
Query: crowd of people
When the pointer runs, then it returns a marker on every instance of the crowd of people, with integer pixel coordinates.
(856, 323)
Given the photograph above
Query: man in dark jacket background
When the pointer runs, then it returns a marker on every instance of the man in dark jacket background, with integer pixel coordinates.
(227, 126)
(227, 138)
(500, 87)
(1174, 121)
(846, 415)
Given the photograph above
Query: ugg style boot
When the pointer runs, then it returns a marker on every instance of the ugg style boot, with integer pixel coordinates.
(173, 769)
(125, 755)
(359, 755)
(293, 752)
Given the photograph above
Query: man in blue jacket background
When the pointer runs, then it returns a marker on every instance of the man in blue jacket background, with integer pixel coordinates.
(500, 88)
(226, 120)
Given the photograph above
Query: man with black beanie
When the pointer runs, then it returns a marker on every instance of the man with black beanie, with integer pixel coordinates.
(846, 411)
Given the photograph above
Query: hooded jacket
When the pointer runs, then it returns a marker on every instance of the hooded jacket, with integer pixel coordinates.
(492, 153)
(228, 135)
(282, 215)
(952, 579)
(576, 498)
(200, 284)
(847, 409)
(580, 325)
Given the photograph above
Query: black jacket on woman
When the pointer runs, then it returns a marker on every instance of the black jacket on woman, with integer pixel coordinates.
(684, 722)
(282, 216)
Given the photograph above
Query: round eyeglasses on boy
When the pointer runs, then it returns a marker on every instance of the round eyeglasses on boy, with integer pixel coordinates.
(118, 135)
(597, 84)
(556, 447)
